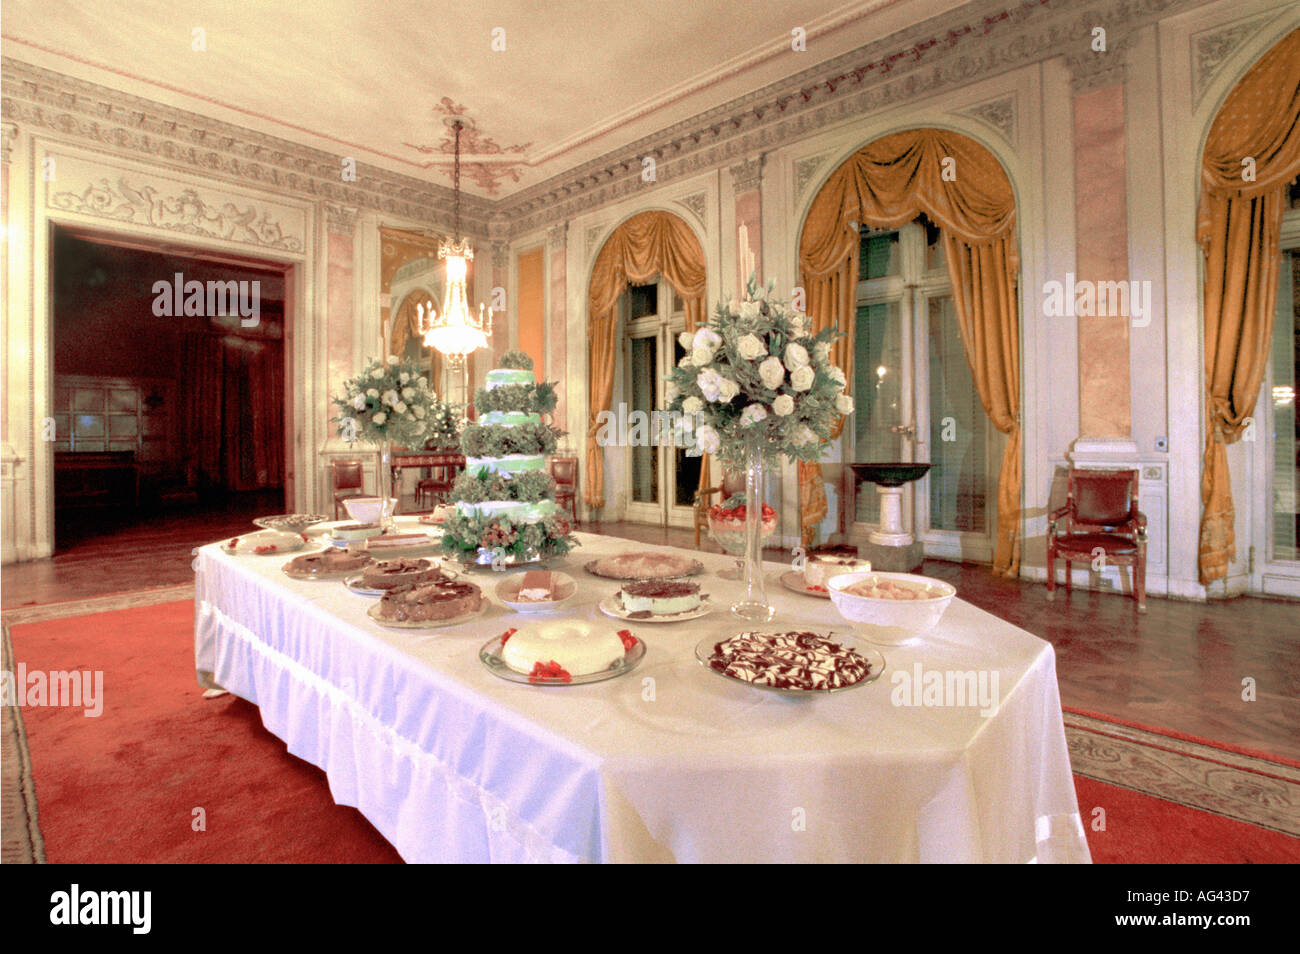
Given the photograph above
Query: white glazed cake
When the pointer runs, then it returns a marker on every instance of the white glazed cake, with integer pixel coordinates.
(577, 647)
(659, 597)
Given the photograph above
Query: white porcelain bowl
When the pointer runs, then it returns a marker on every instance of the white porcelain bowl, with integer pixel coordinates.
(889, 622)
(369, 509)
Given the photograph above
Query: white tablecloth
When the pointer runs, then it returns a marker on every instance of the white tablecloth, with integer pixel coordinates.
(668, 763)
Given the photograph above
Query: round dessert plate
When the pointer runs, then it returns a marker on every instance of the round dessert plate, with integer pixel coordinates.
(793, 580)
(507, 591)
(333, 575)
(415, 546)
(490, 656)
(290, 522)
(704, 652)
(610, 606)
(688, 568)
(264, 543)
(373, 613)
(354, 583)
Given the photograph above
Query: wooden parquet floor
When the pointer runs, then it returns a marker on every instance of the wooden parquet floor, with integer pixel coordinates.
(1186, 667)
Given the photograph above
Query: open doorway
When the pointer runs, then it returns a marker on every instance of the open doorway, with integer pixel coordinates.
(171, 399)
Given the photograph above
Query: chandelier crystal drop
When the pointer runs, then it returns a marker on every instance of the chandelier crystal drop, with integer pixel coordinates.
(456, 333)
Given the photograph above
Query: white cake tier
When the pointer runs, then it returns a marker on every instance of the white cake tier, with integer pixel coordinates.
(498, 377)
(579, 647)
(508, 419)
(517, 511)
(506, 466)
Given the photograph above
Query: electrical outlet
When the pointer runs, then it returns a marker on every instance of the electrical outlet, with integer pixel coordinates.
(1162, 444)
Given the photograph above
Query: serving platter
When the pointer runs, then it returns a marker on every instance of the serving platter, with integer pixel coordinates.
(704, 653)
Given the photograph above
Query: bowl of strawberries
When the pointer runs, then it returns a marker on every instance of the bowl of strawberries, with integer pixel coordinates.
(727, 528)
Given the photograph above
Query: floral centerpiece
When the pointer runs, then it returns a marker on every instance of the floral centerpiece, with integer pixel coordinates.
(505, 510)
(445, 424)
(390, 402)
(758, 385)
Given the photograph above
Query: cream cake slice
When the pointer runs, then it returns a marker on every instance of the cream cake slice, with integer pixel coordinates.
(659, 597)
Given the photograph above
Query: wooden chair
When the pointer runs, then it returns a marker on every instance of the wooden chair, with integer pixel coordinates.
(436, 488)
(348, 482)
(565, 472)
(1100, 513)
(731, 484)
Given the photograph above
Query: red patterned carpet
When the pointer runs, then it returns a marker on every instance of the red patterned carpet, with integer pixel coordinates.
(129, 785)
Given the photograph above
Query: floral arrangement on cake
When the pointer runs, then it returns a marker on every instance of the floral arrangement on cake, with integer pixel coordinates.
(756, 371)
(505, 500)
(390, 401)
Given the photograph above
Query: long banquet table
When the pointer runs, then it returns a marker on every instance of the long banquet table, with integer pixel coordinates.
(667, 763)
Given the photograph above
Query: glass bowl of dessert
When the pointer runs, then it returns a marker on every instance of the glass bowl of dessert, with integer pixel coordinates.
(727, 530)
(890, 609)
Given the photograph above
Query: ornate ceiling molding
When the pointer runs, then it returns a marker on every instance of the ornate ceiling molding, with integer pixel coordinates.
(557, 236)
(1091, 70)
(1211, 49)
(695, 203)
(999, 114)
(748, 175)
(593, 236)
(341, 218)
(473, 143)
(40, 101)
(8, 137)
(804, 170)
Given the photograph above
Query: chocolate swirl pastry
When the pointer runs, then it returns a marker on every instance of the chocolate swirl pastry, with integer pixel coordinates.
(327, 562)
(440, 599)
(789, 661)
(390, 574)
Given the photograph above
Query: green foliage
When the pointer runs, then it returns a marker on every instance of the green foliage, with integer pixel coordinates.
(465, 534)
(517, 359)
(528, 487)
(529, 398)
(481, 440)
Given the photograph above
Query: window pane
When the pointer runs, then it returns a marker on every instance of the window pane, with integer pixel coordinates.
(959, 430)
(645, 472)
(877, 388)
(642, 301)
(1286, 426)
(878, 255)
(687, 479)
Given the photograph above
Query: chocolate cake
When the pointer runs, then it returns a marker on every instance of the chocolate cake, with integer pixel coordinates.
(440, 599)
(393, 573)
(329, 562)
(793, 660)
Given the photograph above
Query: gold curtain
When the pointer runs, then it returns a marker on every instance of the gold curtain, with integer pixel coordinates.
(1238, 227)
(646, 246)
(963, 189)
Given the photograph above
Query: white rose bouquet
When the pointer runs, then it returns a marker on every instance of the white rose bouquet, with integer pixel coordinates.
(754, 371)
(388, 401)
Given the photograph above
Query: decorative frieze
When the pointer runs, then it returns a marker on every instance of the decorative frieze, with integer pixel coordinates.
(804, 170)
(557, 236)
(1212, 48)
(341, 219)
(593, 236)
(748, 175)
(999, 114)
(696, 202)
(8, 137)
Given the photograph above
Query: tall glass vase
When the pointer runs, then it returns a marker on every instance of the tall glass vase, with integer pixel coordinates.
(754, 605)
(386, 495)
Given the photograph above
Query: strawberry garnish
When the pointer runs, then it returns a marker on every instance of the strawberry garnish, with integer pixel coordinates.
(549, 672)
(234, 543)
(628, 639)
(507, 634)
(265, 548)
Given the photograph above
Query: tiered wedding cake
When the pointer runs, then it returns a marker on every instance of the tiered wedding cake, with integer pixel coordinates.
(505, 500)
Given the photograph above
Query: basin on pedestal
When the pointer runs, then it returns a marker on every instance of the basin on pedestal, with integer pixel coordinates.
(893, 547)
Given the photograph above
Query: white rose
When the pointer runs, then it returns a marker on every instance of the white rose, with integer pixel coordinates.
(749, 310)
(783, 405)
(707, 439)
(423, 382)
(686, 340)
(772, 372)
(685, 362)
(837, 376)
(844, 404)
(377, 373)
(392, 359)
(710, 383)
(404, 377)
(373, 392)
(419, 411)
(390, 398)
(797, 329)
(752, 414)
(751, 347)
(380, 418)
(796, 356)
(400, 407)
(701, 356)
(359, 402)
(708, 339)
(822, 350)
(801, 379)
(692, 405)
(670, 392)
(804, 435)
(727, 390)
(408, 393)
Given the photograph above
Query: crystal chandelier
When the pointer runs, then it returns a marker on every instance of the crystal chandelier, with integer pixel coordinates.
(456, 332)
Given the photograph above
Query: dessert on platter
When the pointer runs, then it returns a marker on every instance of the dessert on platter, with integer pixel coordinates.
(644, 565)
(503, 505)
(290, 522)
(431, 602)
(390, 574)
(826, 563)
(536, 591)
(792, 661)
(564, 647)
(351, 532)
(389, 542)
(880, 588)
(265, 543)
(327, 564)
(727, 528)
(659, 597)
(440, 514)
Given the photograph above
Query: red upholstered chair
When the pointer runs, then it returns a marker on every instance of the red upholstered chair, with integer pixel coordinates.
(1100, 513)
(443, 471)
(348, 482)
(565, 472)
